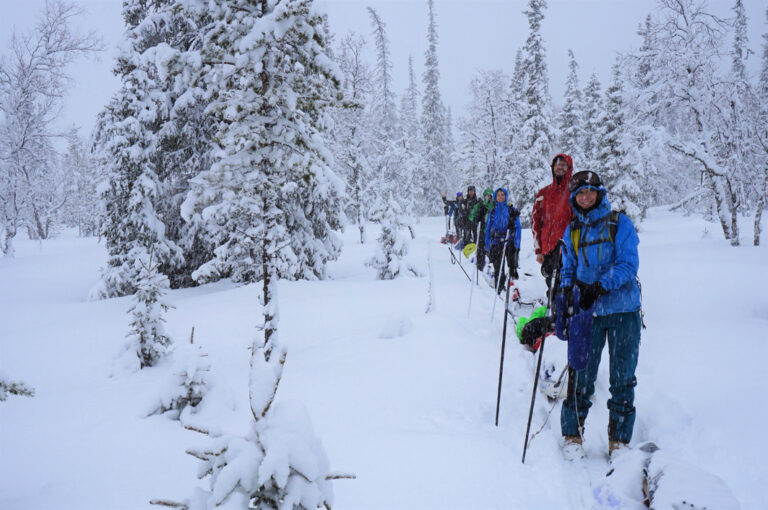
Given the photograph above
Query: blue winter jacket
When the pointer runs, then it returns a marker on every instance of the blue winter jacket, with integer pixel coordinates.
(614, 264)
(498, 223)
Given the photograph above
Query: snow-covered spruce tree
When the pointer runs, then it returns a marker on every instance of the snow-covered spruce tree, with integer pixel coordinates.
(618, 173)
(452, 174)
(178, 135)
(270, 182)
(268, 62)
(514, 108)
(147, 335)
(410, 143)
(593, 109)
(762, 137)
(129, 147)
(82, 176)
(33, 82)
(188, 384)
(349, 138)
(482, 132)
(530, 162)
(569, 122)
(435, 169)
(7, 386)
(385, 153)
(392, 246)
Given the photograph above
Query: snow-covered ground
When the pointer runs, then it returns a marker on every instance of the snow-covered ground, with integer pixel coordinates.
(403, 399)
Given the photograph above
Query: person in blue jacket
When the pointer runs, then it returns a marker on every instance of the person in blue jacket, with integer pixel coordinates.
(502, 229)
(600, 257)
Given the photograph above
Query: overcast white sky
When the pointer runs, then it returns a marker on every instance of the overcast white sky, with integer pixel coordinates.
(474, 34)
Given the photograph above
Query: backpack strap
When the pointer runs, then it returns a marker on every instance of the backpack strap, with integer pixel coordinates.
(577, 227)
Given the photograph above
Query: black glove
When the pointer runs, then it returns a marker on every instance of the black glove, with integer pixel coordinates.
(590, 293)
(513, 263)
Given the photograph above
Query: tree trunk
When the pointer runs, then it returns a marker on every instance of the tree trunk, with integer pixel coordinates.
(721, 205)
(760, 207)
(6, 242)
(733, 205)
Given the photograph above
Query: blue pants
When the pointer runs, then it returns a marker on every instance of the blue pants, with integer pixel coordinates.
(622, 330)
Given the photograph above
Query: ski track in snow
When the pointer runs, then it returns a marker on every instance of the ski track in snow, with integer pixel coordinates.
(403, 399)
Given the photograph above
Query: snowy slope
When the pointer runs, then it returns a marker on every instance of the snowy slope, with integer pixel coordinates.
(403, 399)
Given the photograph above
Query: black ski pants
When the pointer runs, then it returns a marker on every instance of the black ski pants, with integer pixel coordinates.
(495, 257)
(480, 254)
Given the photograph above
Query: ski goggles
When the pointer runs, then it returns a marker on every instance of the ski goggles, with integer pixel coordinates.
(584, 178)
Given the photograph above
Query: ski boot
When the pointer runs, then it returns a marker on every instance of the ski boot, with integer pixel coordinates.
(573, 448)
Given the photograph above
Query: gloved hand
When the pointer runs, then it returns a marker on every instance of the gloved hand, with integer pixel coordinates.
(590, 293)
(513, 264)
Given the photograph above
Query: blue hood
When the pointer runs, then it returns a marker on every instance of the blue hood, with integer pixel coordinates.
(499, 222)
(602, 209)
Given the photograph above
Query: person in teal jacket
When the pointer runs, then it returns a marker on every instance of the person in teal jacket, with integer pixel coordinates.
(600, 257)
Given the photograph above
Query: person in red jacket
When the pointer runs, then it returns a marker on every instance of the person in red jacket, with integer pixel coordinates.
(551, 215)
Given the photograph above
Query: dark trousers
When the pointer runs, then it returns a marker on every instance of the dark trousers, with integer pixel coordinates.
(495, 257)
(470, 234)
(551, 262)
(480, 254)
(622, 331)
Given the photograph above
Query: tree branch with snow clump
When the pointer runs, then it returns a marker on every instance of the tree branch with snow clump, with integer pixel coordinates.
(14, 388)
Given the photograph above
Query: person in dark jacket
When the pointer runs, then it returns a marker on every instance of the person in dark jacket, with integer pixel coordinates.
(502, 235)
(602, 260)
(551, 214)
(470, 234)
(479, 215)
(449, 208)
(461, 220)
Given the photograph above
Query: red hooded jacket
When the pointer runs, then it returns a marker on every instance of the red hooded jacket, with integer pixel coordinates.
(552, 210)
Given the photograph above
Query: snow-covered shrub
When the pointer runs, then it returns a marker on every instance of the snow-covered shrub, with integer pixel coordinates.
(280, 463)
(147, 332)
(392, 246)
(189, 381)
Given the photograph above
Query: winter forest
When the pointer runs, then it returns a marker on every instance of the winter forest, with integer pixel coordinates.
(259, 193)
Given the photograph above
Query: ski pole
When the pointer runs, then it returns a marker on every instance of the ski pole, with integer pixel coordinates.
(453, 261)
(556, 272)
(477, 254)
(471, 290)
(498, 276)
(503, 344)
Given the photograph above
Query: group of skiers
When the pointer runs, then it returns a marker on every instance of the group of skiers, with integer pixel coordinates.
(589, 258)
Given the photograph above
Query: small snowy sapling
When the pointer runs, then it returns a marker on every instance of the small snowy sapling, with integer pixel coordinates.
(189, 382)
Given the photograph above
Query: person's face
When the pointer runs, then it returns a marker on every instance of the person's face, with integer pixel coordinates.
(500, 196)
(471, 193)
(487, 198)
(561, 168)
(586, 197)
